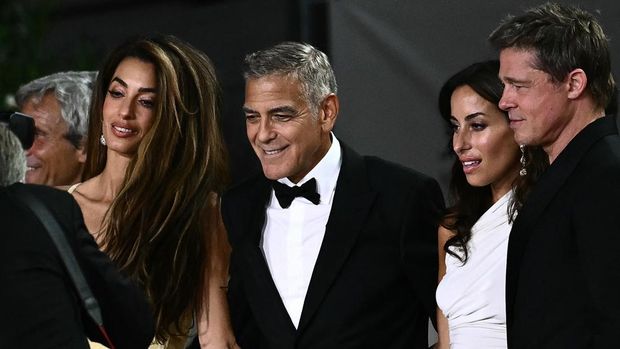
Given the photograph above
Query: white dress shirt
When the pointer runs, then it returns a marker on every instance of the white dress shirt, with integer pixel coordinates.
(292, 237)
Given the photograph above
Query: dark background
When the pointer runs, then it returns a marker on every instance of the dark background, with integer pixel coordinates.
(390, 56)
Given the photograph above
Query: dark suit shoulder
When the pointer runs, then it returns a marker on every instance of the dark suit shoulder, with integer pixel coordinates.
(404, 189)
(60, 203)
(384, 171)
(48, 193)
(45, 193)
(242, 188)
(605, 154)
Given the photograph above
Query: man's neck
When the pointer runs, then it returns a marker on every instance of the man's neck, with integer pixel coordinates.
(579, 121)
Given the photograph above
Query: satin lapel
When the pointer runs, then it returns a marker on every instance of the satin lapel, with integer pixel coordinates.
(263, 296)
(546, 189)
(352, 201)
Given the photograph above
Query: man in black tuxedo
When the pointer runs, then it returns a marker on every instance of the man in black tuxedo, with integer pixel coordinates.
(40, 305)
(563, 270)
(347, 257)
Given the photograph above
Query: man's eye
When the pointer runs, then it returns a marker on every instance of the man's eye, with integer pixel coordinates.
(251, 117)
(281, 117)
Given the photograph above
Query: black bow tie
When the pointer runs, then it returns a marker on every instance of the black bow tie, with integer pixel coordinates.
(286, 194)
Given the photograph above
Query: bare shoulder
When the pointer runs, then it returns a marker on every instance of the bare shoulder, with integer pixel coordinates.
(90, 198)
(443, 234)
(213, 200)
(211, 210)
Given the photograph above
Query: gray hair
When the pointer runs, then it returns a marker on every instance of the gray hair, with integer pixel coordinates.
(300, 61)
(72, 90)
(12, 158)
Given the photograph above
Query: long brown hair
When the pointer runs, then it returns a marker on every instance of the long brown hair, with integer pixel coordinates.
(155, 229)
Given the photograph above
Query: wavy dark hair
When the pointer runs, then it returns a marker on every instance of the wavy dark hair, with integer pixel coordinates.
(469, 202)
(156, 229)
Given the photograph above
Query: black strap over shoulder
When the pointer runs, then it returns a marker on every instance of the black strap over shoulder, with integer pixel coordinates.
(66, 254)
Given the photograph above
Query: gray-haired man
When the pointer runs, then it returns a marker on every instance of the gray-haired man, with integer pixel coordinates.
(59, 104)
(347, 257)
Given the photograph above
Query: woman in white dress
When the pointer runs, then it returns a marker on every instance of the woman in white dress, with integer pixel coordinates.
(491, 177)
(156, 161)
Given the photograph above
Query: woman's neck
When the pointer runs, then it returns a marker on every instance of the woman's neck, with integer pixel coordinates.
(110, 180)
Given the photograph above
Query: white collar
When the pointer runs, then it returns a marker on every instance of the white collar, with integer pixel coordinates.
(325, 172)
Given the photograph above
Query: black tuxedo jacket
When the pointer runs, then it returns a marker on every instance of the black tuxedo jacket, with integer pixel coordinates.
(39, 305)
(563, 267)
(374, 281)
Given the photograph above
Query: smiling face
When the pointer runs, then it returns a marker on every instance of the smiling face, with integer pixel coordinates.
(483, 142)
(288, 140)
(52, 159)
(536, 105)
(129, 106)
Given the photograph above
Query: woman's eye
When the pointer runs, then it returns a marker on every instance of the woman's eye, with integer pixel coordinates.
(115, 94)
(147, 103)
(478, 126)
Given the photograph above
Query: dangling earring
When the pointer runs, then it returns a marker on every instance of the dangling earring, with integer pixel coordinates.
(102, 140)
(523, 171)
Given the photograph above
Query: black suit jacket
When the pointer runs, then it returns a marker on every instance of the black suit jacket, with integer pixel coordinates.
(374, 281)
(563, 267)
(39, 305)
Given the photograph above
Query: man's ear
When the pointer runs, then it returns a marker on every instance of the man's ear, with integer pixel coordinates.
(329, 112)
(577, 82)
(81, 152)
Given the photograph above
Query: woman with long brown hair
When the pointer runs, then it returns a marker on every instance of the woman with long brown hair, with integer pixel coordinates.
(156, 164)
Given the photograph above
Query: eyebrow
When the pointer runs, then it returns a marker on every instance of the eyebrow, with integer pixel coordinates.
(141, 89)
(282, 109)
(248, 110)
(468, 117)
(513, 80)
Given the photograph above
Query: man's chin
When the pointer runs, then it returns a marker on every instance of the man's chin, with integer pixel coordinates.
(33, 178)
(521, 138)
(272, 173)
(272, 176)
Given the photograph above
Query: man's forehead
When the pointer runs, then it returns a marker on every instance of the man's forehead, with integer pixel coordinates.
(275, 81)
(44, 111)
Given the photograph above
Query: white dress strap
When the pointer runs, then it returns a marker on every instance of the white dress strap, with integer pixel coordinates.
(72, 188)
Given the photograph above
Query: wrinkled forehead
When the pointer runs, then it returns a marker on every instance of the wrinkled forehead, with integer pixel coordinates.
(518, 64)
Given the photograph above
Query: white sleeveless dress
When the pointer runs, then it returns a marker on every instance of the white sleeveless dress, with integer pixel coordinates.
(472, 296)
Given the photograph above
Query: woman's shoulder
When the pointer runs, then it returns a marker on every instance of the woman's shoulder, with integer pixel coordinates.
(213, 199)
(211, 208)
(68, 188)
(444, 234)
